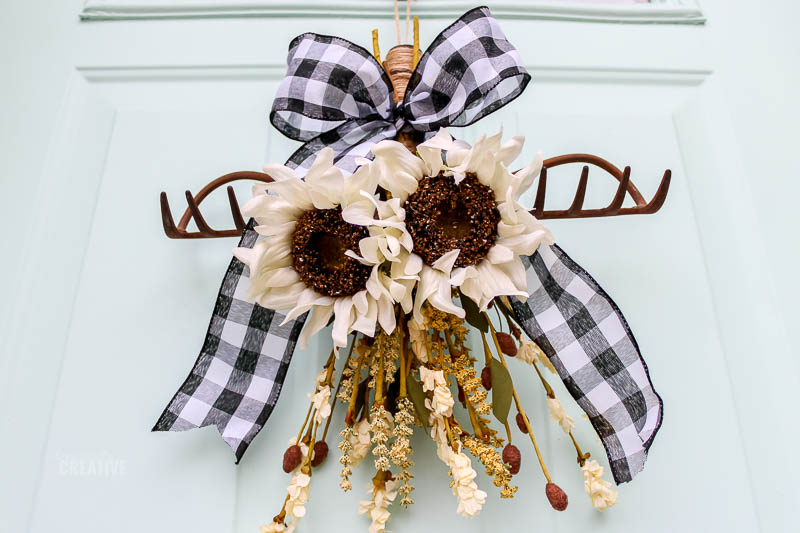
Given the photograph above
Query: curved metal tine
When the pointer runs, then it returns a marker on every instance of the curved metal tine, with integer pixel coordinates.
(204, 228)
(619, 197)
(541, 190)
(660, 196)
(235, 211)
(580, 194)
(167, 221)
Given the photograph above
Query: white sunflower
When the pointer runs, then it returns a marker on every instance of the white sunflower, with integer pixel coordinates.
(301, 265)
(463, 214)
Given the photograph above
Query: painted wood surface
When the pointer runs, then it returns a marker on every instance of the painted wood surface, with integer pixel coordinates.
(150, 105)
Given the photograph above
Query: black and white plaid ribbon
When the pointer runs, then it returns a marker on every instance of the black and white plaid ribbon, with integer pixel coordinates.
(585, 336)
(336, 94)
(238, 376)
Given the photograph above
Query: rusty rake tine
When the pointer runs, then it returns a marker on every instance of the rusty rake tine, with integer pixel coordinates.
(580, 194)
(660, 196)
(235, 211)
(198, 217)
(541, 190)
(619, 197)
(166, 219)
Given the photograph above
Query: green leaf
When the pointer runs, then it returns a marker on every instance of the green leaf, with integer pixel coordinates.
(501, 390)
(417, 395)
(474, 316)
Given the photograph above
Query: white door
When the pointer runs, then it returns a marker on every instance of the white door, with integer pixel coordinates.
(102, 315)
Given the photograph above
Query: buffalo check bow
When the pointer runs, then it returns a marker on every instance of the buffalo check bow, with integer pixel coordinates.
(337, 95)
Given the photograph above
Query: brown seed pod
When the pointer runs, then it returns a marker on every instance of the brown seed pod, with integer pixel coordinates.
(292, 458)
(558, 498)
(320, 453)
(507, 343)
(521, 423)
(512, 456)
(486, 378)
(461, 397)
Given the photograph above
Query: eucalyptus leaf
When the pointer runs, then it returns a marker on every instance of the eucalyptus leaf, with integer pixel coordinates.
(417, 395)
(473, 314)
(501, 390)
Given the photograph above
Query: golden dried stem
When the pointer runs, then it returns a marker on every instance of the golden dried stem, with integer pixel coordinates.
(303, 427)
(547, 388)
(338, 387)
(508, 431)
(517, 402)
(473, 418)
(416, 41)
(351, 407)
(450, 434)
(487, 352)
(280, 517)
(379, 381)
(376, 49)
(403, 358)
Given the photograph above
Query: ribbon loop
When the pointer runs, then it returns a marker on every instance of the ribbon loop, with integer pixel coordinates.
(336, 94)
(328, 82)
(469, 71)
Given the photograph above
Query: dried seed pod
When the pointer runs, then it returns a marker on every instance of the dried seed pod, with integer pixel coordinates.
(558, 498)
(292, 458)
(512, 456)
(486, 378)
(461, 397)
(320, 453)
(521, 423)
(507, 343)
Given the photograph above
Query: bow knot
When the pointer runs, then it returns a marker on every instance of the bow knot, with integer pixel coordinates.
(336, 94)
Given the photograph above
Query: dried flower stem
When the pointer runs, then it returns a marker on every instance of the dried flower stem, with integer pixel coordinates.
(379, 380)
(303, 427)
(338, 387)
(403, 357)
(550, 394)
(517, 402)
(351, 408)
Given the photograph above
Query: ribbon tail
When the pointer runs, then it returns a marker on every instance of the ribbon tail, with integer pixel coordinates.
(585, 336)
(237, 378)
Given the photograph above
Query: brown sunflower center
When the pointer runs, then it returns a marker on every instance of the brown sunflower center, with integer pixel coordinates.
(321, 238)
(443, 216)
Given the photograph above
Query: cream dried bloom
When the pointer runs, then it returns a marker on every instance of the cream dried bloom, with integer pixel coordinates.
(559, 415)
(272, 527)
(599, 490)
(360, 440)
(321, 401)
(378, 505)
(416, 333)
(470, 497)
(529, 352)
(430, 378)
(298, 497)
(433, 381)
(442, 401)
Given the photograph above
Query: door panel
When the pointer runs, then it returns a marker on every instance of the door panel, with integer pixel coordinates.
(169, 105)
